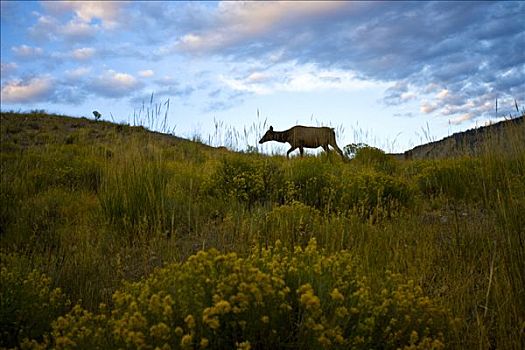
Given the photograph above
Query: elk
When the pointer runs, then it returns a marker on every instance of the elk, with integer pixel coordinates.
(304, 137)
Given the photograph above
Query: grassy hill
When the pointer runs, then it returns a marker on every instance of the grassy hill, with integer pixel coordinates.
(474, 141)
(116, 237)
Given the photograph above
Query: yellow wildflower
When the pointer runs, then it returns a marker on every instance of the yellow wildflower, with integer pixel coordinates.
(413, 337)
(160, 331)
(339, 338)
(190, 321)
(154, 303)
(64, 343)
(213, 323)
(245, 345)
(310, 301)
(222, 307)
(336, 295)
(341, 312)
(324, 341)
(137, 320)
(186, 340)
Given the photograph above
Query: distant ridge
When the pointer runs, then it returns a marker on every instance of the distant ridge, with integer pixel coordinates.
(470, 142)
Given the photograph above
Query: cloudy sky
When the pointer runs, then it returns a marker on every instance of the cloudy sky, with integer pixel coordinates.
(391, 74)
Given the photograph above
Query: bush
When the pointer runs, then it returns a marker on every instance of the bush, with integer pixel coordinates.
(246, 180)
(293, 223)
(272, 299)
(375, 158)
(369, 193)
(308, 181)
(28, 303)
(460, 179)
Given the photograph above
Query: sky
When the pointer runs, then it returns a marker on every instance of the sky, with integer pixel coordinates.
(390, 74)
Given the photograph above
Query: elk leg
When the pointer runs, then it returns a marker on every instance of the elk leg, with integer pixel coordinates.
(301, 150)
(290, 150)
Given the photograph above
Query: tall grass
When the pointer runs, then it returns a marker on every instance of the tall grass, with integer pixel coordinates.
(92, 217)
(133, 195)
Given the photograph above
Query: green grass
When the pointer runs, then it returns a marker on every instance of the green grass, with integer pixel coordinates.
(95, 206)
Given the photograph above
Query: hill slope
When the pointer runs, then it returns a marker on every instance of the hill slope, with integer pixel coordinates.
(22, 130)
(471, 142)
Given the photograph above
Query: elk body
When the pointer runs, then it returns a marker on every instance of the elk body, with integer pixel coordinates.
(304, 137)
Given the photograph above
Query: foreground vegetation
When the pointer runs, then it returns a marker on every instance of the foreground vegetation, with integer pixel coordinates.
(115, 237)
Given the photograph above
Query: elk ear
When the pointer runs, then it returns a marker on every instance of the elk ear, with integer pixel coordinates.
(271, 128)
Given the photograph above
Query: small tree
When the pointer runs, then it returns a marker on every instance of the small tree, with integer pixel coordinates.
(350, 150)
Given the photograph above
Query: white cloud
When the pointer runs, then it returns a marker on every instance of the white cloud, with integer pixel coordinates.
(77, 72)
(245, 86)
(88, 17)
(295, 78)
(427, 107)
(108, 12)
(77, 29)
(50, 28)
(119, 80)
(83, 53)
(238, 21)
(407, 96)
(27, 51)
(443, 94)
(461, 119)
(191, 40)
(122, 79)
(32, 90)
(114, 84)
(146, 73)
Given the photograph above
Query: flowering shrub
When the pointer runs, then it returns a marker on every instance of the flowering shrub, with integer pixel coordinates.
(28, 304)
(275, 298)
(370, 193)
(246, 180)
(298, 220)
(309, 182)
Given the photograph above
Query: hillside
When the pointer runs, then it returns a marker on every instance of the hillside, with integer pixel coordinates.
(112, 237)
(22, 130)
(471, 142)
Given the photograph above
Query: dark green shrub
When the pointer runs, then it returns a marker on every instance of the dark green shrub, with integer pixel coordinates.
(375, 158)
(308, 181)
(246, 179)
(459, 179)
(369, 193)
(294, 224)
